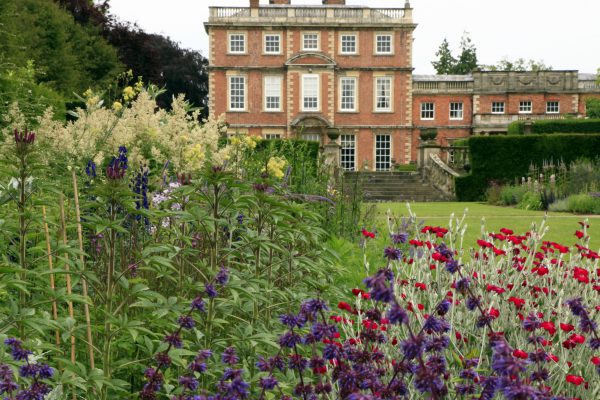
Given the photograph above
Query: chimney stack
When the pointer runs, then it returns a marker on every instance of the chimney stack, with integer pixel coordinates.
(334, 2)
(254, 3)
(280, 2)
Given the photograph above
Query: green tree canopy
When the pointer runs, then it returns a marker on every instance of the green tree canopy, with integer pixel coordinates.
(45, 55)
(447, 64)
(445, 60)
(520, 64)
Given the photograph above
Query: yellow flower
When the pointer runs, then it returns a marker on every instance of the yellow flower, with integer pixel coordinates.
(117, 106)
(250, 142)
(139, 86)
(275, 167)
(128, 93)
(193, 156)
(88, 93)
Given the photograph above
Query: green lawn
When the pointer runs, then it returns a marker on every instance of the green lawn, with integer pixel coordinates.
(562, 226)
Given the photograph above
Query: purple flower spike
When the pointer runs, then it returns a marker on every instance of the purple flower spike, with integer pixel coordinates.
(229, 356)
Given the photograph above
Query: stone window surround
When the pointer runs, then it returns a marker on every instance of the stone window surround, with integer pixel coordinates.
(525, 107)
(237, 74)
(245, 42)
(375, 95)
(302, 106)
(317, 33)
(426, 109)
(356, 94)
(458, 110)
(265, 109)
(553, 107)
(356, 43)
(272, 33)
(376, 35)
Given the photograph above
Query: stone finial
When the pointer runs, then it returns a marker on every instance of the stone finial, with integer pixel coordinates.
(407, 4)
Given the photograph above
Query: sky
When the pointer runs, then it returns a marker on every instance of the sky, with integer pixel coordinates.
(565, 34)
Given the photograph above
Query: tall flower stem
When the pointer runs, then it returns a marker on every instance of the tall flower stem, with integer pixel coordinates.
(86, 307)
(50, 266)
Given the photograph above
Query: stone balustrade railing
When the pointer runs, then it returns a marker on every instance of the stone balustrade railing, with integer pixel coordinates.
(310, 14)
(440, 175)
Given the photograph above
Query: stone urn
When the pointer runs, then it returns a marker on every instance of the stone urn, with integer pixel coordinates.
(333, 134)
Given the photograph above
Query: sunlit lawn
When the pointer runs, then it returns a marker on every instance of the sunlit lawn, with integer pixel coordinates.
(562, 227)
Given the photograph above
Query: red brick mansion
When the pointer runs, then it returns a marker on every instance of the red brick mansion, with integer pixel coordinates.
(283, 70)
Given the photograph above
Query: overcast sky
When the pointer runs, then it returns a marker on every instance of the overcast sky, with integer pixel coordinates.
(565, 34)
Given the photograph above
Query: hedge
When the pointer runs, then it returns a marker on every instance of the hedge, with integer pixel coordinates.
(553, 126)
(504, 158)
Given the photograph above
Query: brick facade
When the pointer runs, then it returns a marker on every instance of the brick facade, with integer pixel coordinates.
(281, 70)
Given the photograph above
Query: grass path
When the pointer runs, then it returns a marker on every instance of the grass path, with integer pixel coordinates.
(562, 226)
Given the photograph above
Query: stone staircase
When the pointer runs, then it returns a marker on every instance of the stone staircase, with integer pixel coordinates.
(395, 186)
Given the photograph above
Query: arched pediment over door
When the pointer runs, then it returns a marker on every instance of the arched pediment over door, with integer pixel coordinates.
(311, 127)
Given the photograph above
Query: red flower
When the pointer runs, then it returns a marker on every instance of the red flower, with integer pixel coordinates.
(494, 288)
(550, 356)
(596, 360)
(368, 234)
(506, 231)
(520, 354)
(579, 234)
(575, 379)
(577, 338)
(549, 327)
(421, 286)
(518, 302)
(494, 313)
(342, 305)
(566, 327)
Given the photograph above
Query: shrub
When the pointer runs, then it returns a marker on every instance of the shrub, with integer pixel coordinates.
(593, 108)
(561, 205)
(583, 204)
(504, 158)
(530, 201)
(493, 194)
(590, 126)
(511, 195)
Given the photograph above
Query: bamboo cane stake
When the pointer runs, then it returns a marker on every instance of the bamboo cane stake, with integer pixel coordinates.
(67, 268)
(52, 283)
(86, 306)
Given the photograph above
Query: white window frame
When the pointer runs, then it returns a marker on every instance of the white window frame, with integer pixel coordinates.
(557, 103)
(318, 101)
(425, 109)
(266, 43)
(342, 105)
(272, 136)
(266, 91)
(318, 41)
(497, 105)
(348, 152)
(244, 42)
(381, 35)
(457, 110)
(389, 95)
(382, 159)
(348, 35)
(525, 107)
(230, 96)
